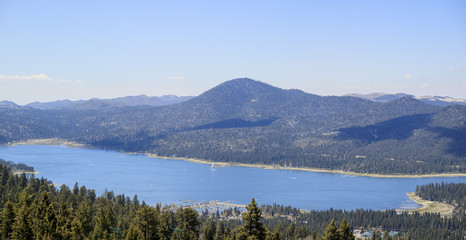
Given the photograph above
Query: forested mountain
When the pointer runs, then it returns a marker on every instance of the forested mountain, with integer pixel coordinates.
(248, 121)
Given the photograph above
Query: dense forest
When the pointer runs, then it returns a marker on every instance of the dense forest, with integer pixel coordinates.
(18, 167)
(247, 121)
(451, 193)
(32, 208)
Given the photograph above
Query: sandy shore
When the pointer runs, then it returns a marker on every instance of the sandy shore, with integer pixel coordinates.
(431, 206)
(223, 164)
(48, 141)
(25, 172)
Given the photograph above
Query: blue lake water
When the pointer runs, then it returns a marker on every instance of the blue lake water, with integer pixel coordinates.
(169, 181)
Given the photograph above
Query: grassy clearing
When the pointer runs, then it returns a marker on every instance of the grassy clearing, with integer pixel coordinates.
(444, 209)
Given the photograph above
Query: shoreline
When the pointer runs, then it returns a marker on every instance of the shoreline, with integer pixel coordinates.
(445, 210)
(306, 169)
(26, 172)
(48, 141)
(235, 164)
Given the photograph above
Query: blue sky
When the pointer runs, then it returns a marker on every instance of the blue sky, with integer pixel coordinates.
(52, 50)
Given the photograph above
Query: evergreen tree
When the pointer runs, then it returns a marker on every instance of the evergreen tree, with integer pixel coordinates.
(344, 231)
(45, 221)
(83, 219)
(147, 222)
(134, 233)
(188, 223)
(252, 228)
(220, 231)
(164, 228)
(23, 221)
(65, 220)
(275, 235)
(7, 220)
(331, 232)
(208, 230)
(103, 221)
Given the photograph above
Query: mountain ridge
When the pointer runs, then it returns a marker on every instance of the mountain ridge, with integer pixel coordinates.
(248, 121)
(96, 103)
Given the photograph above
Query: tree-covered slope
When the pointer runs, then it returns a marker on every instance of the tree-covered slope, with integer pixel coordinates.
(248, 121)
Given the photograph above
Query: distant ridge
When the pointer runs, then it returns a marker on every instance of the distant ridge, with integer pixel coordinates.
(8, 104)
(433, 100)
(95, 103)
(380, 97)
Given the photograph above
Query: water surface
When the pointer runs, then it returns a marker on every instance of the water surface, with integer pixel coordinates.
(169, 181)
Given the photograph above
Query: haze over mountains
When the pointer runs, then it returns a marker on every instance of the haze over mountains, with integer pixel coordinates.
(434, 100)
(141, 100)
(248, 121)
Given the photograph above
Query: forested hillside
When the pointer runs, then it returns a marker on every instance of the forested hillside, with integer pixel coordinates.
(247, 121)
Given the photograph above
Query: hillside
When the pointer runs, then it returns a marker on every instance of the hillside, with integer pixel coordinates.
(248, 121)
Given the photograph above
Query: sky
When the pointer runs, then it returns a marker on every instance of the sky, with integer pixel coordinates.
(51, 50)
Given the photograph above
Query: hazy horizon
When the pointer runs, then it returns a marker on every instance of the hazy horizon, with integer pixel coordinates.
(346, 94)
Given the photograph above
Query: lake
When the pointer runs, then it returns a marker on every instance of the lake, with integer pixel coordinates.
(169, 181)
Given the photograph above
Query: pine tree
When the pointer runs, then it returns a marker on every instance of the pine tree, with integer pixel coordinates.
(220, 231)
(23, 221)
(188, 223)
(134, 233)
(147, 222)
(7, 220)
(164, 228)
(252, 228)
(344, 231)
(290, 231)
(331, 232)
(275, 235)
(65, 219)
(45, 221)
(208, 230)
(103, 221)
(83, 219)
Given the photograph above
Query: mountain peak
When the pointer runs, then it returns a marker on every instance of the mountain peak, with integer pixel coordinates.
(240, 88)
(243, 82)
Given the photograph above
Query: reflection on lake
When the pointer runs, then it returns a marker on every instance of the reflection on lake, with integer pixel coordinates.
(168, 181)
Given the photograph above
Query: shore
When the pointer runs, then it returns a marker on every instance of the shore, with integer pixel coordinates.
(48, 141)
(276, 167)
(444, 209)
(25, 172)
(224, 164)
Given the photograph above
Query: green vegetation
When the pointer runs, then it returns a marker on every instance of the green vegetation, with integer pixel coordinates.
(34, 209)
(442, 208)
(451, 193)
(331, 232)
(17, 167)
